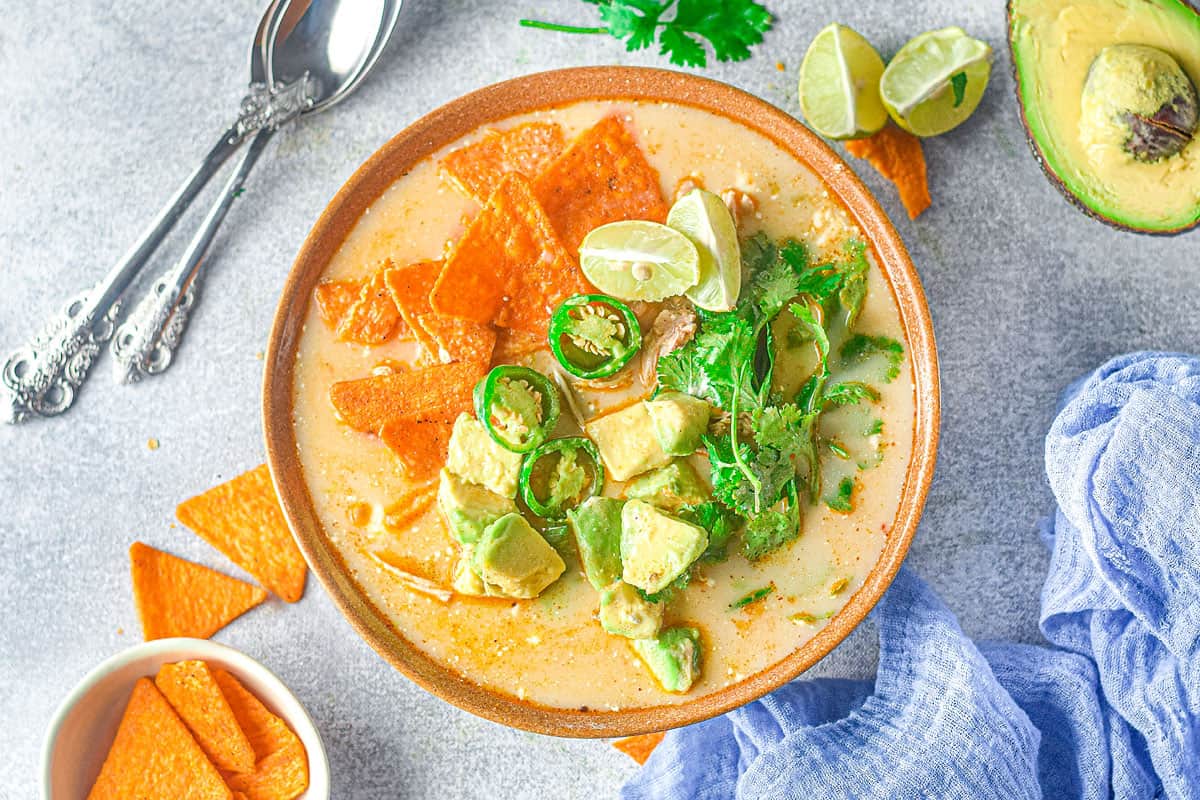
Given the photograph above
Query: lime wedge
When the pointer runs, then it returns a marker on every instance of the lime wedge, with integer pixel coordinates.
(936, 80)
(704, 218)
(638, 260)
(839, 84)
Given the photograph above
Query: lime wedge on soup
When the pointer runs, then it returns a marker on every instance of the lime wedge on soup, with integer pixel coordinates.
(936, 80)
(839, 84)
(704, 218)
(639, 260)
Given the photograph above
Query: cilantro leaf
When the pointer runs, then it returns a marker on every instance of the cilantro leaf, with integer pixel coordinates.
(860, 347)
(843, 500)
(767, 532)
(849, 393)
(731, 27)
(958, 82)
(752, 597)
(719, 521)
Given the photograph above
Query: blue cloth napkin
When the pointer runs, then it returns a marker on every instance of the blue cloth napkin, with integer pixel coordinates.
(1110, 708)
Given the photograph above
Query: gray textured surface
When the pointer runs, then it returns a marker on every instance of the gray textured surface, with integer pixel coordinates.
(107, 106)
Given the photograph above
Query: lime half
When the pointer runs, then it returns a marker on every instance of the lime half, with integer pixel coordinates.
(936, 80)
(704, 218)
(638, 260)
(839, 84)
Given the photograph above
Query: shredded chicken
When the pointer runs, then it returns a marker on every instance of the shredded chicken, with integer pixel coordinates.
(686, 184)
(674, 327)
(742, 205)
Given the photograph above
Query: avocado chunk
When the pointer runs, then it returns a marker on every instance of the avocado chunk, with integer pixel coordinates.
(597, 527)
(1108, 97)
(468, 508)
(1139, 99)
(626, 613)
(656, 548)
(670, 488)
(673, 657)
(679, 421)
(476, 458)
(627, 442)
(513, 560)
(465, 580)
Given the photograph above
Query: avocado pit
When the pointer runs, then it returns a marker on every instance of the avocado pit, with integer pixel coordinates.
(1138, 98)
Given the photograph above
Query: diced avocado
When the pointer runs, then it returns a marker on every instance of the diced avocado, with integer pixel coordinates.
(476, 458)
(673, 657)
(670, 487)
(468, 508)
(465, 581)
(679, 421)
(597, 527)
(656, 548)
(513, 559)
(627, 442)
(626, 613)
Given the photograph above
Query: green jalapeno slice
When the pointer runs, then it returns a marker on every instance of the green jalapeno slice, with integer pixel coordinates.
(559, 475)
(518, 406)
(594, 335)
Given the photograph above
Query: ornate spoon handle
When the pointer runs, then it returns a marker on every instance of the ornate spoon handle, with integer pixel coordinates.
(145, 343)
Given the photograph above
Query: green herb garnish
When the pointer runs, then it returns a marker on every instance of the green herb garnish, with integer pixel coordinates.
(731, 27)
(753, 597)
(860, 347)
(843, 500)
(958, 82)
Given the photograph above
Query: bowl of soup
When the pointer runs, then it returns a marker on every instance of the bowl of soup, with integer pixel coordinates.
(603, 400)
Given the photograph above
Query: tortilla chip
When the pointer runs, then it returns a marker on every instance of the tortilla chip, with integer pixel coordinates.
(281, 771)
(478, 168)
(512, 344)
(639, 748)
(445, 339)
(243, 520)
(192, 691)
(432, 394)
(334, 299)
(420, 446)
(154, 756)
(175, 597)
(898, 156)
(602, 177)
(373, 318)
(509, 267)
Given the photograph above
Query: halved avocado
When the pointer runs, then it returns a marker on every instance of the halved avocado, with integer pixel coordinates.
(1054, 44)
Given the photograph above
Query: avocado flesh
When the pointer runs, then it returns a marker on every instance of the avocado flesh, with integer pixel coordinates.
(468, 509)
(513, 560)
(596, 524)
(670, 488)
(679, 421)
(656, 548)
(624, 612)
(673, 657)
(475, 457)
(627, 442)
(1054, 44)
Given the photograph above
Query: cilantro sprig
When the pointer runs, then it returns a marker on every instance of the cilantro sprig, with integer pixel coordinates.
(731, 27)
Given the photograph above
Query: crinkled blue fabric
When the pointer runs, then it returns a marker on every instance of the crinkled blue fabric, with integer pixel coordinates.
(1109, 708)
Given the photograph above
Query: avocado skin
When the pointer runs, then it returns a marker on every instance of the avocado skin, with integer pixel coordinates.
(1048, 169)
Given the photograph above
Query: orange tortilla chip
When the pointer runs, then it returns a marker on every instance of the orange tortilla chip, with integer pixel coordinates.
(433, 394)
(373, 318)
(639, 748)
(281, 771)
(445, 339)
(898, 156)
(479, 167)
(420, 446)
(513, 344)
(192, 691)
(602, 177)
(175, 597)
(243, 520)
(334, 299)
(154, 756)
(509, 267)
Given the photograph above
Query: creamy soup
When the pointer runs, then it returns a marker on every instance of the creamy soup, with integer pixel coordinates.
(551, 650)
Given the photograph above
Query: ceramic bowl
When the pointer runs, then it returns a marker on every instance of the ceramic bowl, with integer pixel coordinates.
(86, 722)
(490, 105)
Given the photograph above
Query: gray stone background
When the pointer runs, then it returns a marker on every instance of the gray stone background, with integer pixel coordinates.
(106, 106)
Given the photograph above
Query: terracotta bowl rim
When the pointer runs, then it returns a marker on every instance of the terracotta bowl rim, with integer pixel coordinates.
(492, 104)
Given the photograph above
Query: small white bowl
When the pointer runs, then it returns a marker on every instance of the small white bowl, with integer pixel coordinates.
(84, 725)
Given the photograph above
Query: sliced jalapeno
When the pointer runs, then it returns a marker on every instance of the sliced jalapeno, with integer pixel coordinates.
(559, 475)
(518, 406)
(594, 335)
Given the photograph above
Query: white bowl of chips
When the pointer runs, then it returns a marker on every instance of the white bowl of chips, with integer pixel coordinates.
(85, 727)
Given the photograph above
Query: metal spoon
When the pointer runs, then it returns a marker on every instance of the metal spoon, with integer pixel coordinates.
(42, 377)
